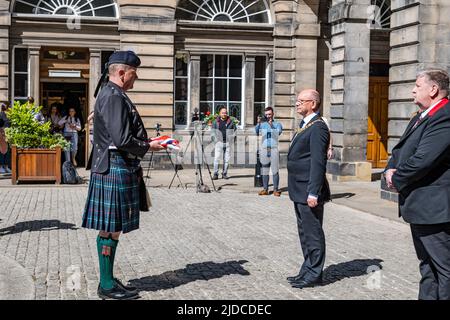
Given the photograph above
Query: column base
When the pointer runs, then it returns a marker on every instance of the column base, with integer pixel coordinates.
(387, 194)
(349, 171)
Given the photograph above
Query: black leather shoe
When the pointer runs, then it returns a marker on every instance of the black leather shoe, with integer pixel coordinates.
(301, 284)
(224, 176)
(127, 288)
(215, 177)
(116, 293)
(296, 278)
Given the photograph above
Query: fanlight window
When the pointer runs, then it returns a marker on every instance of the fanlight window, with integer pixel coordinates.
(380, 14)
(84, 8)
(247, 11)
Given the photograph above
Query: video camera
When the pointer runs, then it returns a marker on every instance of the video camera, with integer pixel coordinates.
(158, 126)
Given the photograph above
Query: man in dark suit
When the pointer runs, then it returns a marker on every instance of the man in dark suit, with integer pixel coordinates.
(308, 187)
(419, 170)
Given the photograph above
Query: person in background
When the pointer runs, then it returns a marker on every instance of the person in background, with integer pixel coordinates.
(223, 129)
(91, 126)
(72, 126)
(5, 160)
(55, 118)
(39, 117)
(269, 154)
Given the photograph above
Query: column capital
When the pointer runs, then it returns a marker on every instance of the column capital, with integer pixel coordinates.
(34, 50)
(250, 58)
(95, 52)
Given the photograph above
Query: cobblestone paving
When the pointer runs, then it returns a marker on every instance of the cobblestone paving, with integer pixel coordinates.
(226, 245)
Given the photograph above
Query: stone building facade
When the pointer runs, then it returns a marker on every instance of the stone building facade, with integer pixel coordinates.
(362, 55)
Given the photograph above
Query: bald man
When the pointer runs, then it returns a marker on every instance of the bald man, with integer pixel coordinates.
(308, 187)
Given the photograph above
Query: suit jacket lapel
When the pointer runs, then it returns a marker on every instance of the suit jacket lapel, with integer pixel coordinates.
(410, 129)
(295, 139)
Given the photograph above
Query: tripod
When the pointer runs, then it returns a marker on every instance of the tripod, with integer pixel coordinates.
(175, 167)
(200, 186)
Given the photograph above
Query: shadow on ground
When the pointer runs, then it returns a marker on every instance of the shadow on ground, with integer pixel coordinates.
(191, 273)
(37, 225)
(350, 269)
(346, 195)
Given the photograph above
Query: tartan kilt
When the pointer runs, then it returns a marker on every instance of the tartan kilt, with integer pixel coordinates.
(112, 204)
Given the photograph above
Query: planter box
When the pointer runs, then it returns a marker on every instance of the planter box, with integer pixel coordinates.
(36, 165)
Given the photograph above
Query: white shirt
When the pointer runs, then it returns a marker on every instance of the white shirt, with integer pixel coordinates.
(425, 113)
(67, 121)
(308, 119)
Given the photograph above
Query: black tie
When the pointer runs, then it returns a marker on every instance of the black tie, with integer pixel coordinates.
(302, 123)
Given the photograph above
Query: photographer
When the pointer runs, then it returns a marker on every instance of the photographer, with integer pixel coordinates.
(270, 158)
(222, 133)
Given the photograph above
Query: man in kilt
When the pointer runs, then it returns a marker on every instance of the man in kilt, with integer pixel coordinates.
(120, 141)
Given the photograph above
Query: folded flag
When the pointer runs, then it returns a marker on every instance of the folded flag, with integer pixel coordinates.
(168, 142)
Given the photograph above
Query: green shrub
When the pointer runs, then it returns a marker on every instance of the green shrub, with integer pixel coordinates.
(25, 132)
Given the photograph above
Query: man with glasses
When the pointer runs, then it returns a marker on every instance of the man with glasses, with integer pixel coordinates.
(308, 187)
(269, 156)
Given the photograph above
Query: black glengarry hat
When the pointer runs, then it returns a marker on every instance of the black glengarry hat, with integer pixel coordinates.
(125, 57)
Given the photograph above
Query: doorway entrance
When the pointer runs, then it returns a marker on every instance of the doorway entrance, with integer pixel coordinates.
(378, 121)
(65, 96)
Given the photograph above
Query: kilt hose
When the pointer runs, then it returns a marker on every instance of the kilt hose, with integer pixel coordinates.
(112, 204)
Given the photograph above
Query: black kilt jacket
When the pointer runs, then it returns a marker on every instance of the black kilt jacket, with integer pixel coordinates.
(307, 163)
(422, 160)
(116, 123)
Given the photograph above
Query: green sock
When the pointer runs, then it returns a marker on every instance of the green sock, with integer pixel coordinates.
(106, 250)
(113, 254)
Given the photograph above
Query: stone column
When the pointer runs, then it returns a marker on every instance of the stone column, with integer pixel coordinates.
(249, 90)
(95, 69)
(5, 22)
(194, 83)
(34, 72)
(350, 60)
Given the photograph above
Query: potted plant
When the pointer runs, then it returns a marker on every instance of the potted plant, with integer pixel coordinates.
(211, 117)
(35, 152)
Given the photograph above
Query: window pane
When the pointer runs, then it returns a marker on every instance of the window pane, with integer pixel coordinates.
(260, 67)
(204, 109)
(20, 85)
(105, 12)
(218, 105)
(221, 90)
(181, 89)
(258, 110)
(21, 60)
(236, 66)
(181, 68)
(221, 66)
(260, 90)
(206, 65)
(181, 113)
(235, 110)
(235, 90)
(206, 89)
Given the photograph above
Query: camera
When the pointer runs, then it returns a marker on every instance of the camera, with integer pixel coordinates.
(195, 115)
(263, 118)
